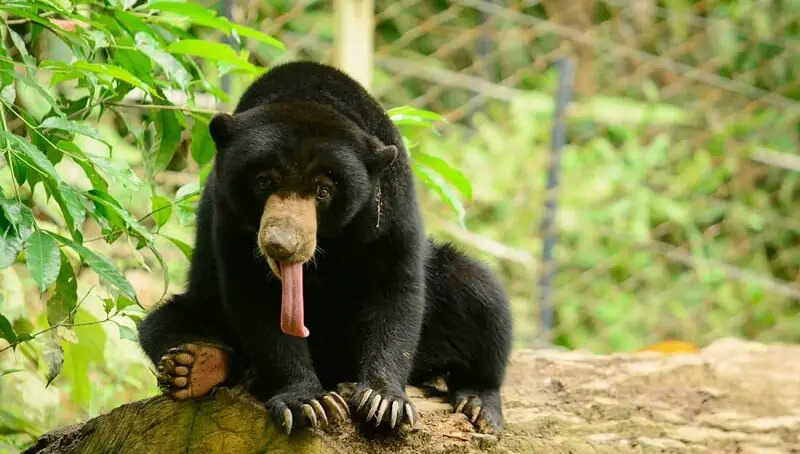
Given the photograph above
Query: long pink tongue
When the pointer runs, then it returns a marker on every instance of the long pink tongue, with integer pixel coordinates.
(292, 299)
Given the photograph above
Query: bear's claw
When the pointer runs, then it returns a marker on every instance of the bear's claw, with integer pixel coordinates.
(308, 412)
(376, 404)
(482, 414)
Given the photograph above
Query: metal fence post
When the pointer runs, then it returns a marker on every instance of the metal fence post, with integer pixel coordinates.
(565, 69)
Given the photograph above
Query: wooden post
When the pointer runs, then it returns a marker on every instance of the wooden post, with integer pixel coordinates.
(354, 38)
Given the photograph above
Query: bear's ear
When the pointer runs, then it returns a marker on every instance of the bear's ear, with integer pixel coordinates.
(380, 156)
(222, 128)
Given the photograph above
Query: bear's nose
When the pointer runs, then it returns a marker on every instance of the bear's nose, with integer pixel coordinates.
(281, 243)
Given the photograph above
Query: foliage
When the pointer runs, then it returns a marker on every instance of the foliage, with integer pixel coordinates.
(654, 239)
(94, 101)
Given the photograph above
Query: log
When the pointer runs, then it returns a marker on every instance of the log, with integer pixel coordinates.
(733, 396)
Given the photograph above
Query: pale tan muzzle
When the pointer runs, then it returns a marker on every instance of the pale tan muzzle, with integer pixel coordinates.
(288, 230)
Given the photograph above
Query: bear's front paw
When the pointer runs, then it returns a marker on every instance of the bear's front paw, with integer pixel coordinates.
(384, 404)
(191, 370)
(310, 406)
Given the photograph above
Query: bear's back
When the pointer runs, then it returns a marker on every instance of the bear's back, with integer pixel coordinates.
(314, 82)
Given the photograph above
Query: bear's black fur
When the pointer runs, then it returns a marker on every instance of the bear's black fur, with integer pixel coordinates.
(385, 306)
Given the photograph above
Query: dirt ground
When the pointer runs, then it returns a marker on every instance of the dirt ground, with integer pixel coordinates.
(733, 397)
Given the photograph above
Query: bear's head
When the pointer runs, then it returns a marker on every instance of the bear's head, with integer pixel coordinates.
(296, 172)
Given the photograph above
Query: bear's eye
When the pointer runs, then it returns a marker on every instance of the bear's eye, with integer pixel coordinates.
(323, 192)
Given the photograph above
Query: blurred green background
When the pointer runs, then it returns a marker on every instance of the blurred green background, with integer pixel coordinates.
(677, 203)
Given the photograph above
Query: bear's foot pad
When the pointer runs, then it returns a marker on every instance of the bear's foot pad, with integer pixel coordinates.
(191, 370)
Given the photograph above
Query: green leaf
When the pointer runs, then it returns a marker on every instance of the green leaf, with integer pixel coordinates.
(62, 303)
(23, 327)
(71, 203)
(163, 264)
(53, 356)
(78, 357)
(6, 330)
(120, 172)
(197, 14)
(137, 318)
(77, 372)
(406, 112)
(5, 372)
(406, 116)
(205, 171)
(203, 147)
(168, 136)
(108, 217)
(19, 215)
(19, 43)
(108, 305)
(22, 172)
(32, 155)
(136, 63)
(161, 209)
(32, 83)
(126, 333)
(80, 158)
(122, 4)
(113, 206)
(65, 124)
(67, 334)
(12, 424)
(8, 94)
(172, 67)
(443, 189)
(27, 14)
(186, 192)
(6, 69)
(402, 121)
(257, 35)
(42, 258)
(183, 247)
(102, 266)
(10, 245)
(212, 51)
(105, 70)
(123, 303)
(450, 173)
(186, 198)
(133, 24)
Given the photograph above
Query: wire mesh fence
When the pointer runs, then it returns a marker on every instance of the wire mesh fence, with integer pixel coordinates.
(680, 185)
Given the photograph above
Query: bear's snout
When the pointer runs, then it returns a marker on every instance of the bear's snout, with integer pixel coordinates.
(288, 230)
(281, 242)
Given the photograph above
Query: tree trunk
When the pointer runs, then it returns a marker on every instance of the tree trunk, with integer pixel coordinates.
(731, 397)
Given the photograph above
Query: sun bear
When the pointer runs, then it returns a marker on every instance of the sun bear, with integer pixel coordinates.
(312, 268)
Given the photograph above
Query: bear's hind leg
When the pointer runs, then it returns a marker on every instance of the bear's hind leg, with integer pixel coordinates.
(467, 335)
(480, 404)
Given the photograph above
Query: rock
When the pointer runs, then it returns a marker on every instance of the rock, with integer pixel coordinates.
(733, 396)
